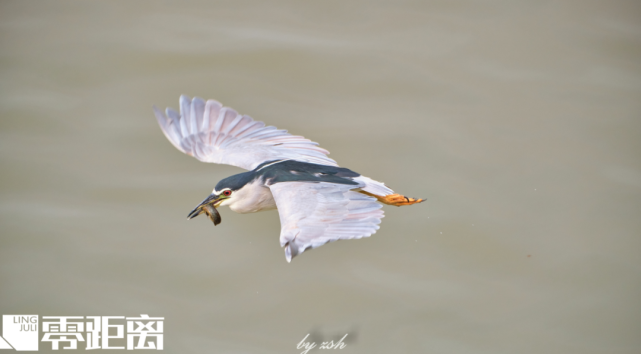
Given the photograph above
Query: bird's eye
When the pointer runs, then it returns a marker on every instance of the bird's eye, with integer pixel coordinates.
(227, 193)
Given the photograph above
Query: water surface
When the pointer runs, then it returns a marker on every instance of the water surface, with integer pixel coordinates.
(519, 122)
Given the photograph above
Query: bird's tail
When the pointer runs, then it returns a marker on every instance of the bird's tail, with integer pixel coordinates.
(395, 199)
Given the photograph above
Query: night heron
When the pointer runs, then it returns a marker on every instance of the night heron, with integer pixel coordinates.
(317, 201)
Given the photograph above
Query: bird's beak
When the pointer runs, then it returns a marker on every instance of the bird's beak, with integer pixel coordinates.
(208, 206)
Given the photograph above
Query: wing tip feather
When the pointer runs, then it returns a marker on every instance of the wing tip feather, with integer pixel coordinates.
(181, 128)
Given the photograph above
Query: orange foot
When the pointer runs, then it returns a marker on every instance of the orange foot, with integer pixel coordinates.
(395, 199)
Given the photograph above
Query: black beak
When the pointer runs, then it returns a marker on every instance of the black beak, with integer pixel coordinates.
(207, 206)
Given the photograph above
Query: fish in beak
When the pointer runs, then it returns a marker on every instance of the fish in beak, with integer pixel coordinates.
(208, 206)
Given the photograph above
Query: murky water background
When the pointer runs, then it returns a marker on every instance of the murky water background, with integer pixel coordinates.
(519, 122)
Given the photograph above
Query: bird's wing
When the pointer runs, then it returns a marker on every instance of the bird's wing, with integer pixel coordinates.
(213, 133)
(313, 214)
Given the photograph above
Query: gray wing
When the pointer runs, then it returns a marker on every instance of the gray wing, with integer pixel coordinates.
(213, 133)
(313, 214)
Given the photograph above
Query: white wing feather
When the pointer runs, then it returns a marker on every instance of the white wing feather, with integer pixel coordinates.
(213, 133)
(313, 214)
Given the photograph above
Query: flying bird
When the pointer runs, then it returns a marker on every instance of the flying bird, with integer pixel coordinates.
(317, 201)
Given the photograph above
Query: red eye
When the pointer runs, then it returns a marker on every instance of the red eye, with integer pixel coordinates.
(227, 193)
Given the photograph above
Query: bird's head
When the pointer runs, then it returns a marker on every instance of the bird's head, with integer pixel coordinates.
(225, 193)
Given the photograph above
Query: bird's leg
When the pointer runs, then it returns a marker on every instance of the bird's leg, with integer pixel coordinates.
(395, 199)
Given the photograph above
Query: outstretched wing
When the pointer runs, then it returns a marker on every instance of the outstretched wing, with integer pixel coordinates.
(313, 214)
(213, 133)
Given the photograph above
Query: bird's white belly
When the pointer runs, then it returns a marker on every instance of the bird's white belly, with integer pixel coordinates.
(251, 198)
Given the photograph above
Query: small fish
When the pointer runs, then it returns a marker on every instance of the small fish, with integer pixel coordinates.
(212, 213)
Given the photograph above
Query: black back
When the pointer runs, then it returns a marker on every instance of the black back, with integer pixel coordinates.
(289, 171)
(297, 171)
